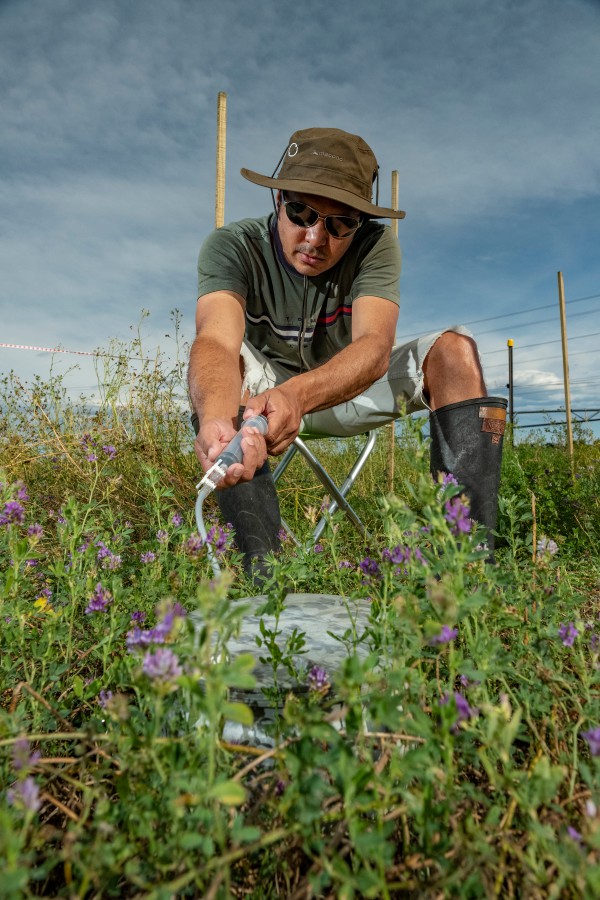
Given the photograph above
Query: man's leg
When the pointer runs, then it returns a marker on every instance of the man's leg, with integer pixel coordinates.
(440, 372)
(252, 509)
(466, 425)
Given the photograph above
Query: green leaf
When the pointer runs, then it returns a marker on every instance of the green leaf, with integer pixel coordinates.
(229, 793)
(238, 712)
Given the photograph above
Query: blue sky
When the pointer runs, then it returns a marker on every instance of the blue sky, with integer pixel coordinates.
(487, 108)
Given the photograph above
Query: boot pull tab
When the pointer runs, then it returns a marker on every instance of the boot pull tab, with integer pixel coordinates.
(493, 421)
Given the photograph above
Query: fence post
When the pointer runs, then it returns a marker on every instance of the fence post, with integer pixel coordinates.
(391, 426)
(511, 406)
(221, 140)
(565, 355)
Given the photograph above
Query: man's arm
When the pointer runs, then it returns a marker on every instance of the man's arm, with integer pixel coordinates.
(215, 382)
(344, 376)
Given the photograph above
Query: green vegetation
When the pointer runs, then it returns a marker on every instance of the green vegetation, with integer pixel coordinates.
(458, 757)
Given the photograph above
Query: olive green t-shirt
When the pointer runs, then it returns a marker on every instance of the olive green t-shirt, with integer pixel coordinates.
(297, 320)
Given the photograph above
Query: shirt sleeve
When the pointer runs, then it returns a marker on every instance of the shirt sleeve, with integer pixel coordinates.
(222, 264)
(379, 269)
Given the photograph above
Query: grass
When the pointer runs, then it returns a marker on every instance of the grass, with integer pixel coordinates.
(457, 755)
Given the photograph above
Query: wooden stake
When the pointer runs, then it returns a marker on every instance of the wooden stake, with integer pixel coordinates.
(221, 141)
(511, 399)
(391, 426)
(565, 355)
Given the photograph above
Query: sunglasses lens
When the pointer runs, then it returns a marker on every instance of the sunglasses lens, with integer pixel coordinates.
(305, 217)
(300, 214)
(341, 226)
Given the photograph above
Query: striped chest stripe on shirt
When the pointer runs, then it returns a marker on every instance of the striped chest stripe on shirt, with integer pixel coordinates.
(331, 318)
(285, 332)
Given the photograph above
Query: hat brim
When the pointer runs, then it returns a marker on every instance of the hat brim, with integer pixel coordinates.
(323, 190)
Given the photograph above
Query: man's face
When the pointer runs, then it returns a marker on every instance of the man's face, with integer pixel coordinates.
(312, 250)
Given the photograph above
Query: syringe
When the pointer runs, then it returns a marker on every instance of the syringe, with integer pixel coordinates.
(231, 454)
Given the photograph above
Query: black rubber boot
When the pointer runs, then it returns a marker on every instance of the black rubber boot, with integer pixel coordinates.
(252, 508)
(466, 441)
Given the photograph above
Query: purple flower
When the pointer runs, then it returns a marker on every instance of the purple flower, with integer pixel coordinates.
(137, 637)
(447, 479)
(317, 679)
(574, 834)
(345, 564)
(396, 555)
(162, 536)
(370, 567)
(457, 515)
(546, 546)
(148, 557)
(138, 617)
(593, 738)
(464, 711)
(446, 635)
(109, 450)
(567, 633)
(177, 519)
(318, 548)
(35, 531)
(161, 631)
(219, 538)
(283, 535)
(99, 600)
(162, 665)
(22, 494)
(104, 697)
(194, 544)
(106, 557)
(25, 795)
(12, 514)
(22, 757)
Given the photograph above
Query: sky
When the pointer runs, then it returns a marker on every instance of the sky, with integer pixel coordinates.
(488, 109)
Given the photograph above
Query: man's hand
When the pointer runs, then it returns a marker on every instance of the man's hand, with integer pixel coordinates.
(213, 437)
(282, 409)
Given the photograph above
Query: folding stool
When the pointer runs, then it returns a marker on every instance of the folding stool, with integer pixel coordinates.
(338, 494)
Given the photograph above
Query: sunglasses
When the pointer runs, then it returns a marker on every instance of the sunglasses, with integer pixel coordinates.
(304, 216)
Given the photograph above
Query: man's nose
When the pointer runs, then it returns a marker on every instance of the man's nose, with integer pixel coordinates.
(317, 234)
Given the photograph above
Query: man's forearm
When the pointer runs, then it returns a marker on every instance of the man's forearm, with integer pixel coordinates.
(346, 375)
(214, 380)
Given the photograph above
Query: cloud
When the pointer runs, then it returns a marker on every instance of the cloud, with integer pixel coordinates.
(488, 109)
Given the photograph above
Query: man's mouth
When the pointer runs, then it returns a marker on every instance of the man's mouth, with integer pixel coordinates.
(309, 258)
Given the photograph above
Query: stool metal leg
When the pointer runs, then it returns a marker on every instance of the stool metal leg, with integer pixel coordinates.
(338, 494)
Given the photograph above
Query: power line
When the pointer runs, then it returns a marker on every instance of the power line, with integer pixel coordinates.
(579, 337)
(544, 358)
(519, 312)
(550, 386)
(536, 323)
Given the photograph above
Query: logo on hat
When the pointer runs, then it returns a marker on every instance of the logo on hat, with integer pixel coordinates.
(292, 149)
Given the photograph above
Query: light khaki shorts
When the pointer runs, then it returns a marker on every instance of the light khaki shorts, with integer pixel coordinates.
(398, 392)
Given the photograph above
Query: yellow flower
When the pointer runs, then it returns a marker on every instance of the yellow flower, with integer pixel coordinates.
(43, 605)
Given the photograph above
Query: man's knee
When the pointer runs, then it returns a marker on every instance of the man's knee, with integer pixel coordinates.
(453, 351)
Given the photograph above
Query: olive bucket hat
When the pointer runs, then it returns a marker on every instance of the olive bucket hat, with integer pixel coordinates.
(331, 163)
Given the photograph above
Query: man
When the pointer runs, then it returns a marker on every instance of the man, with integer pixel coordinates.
(296, 320)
